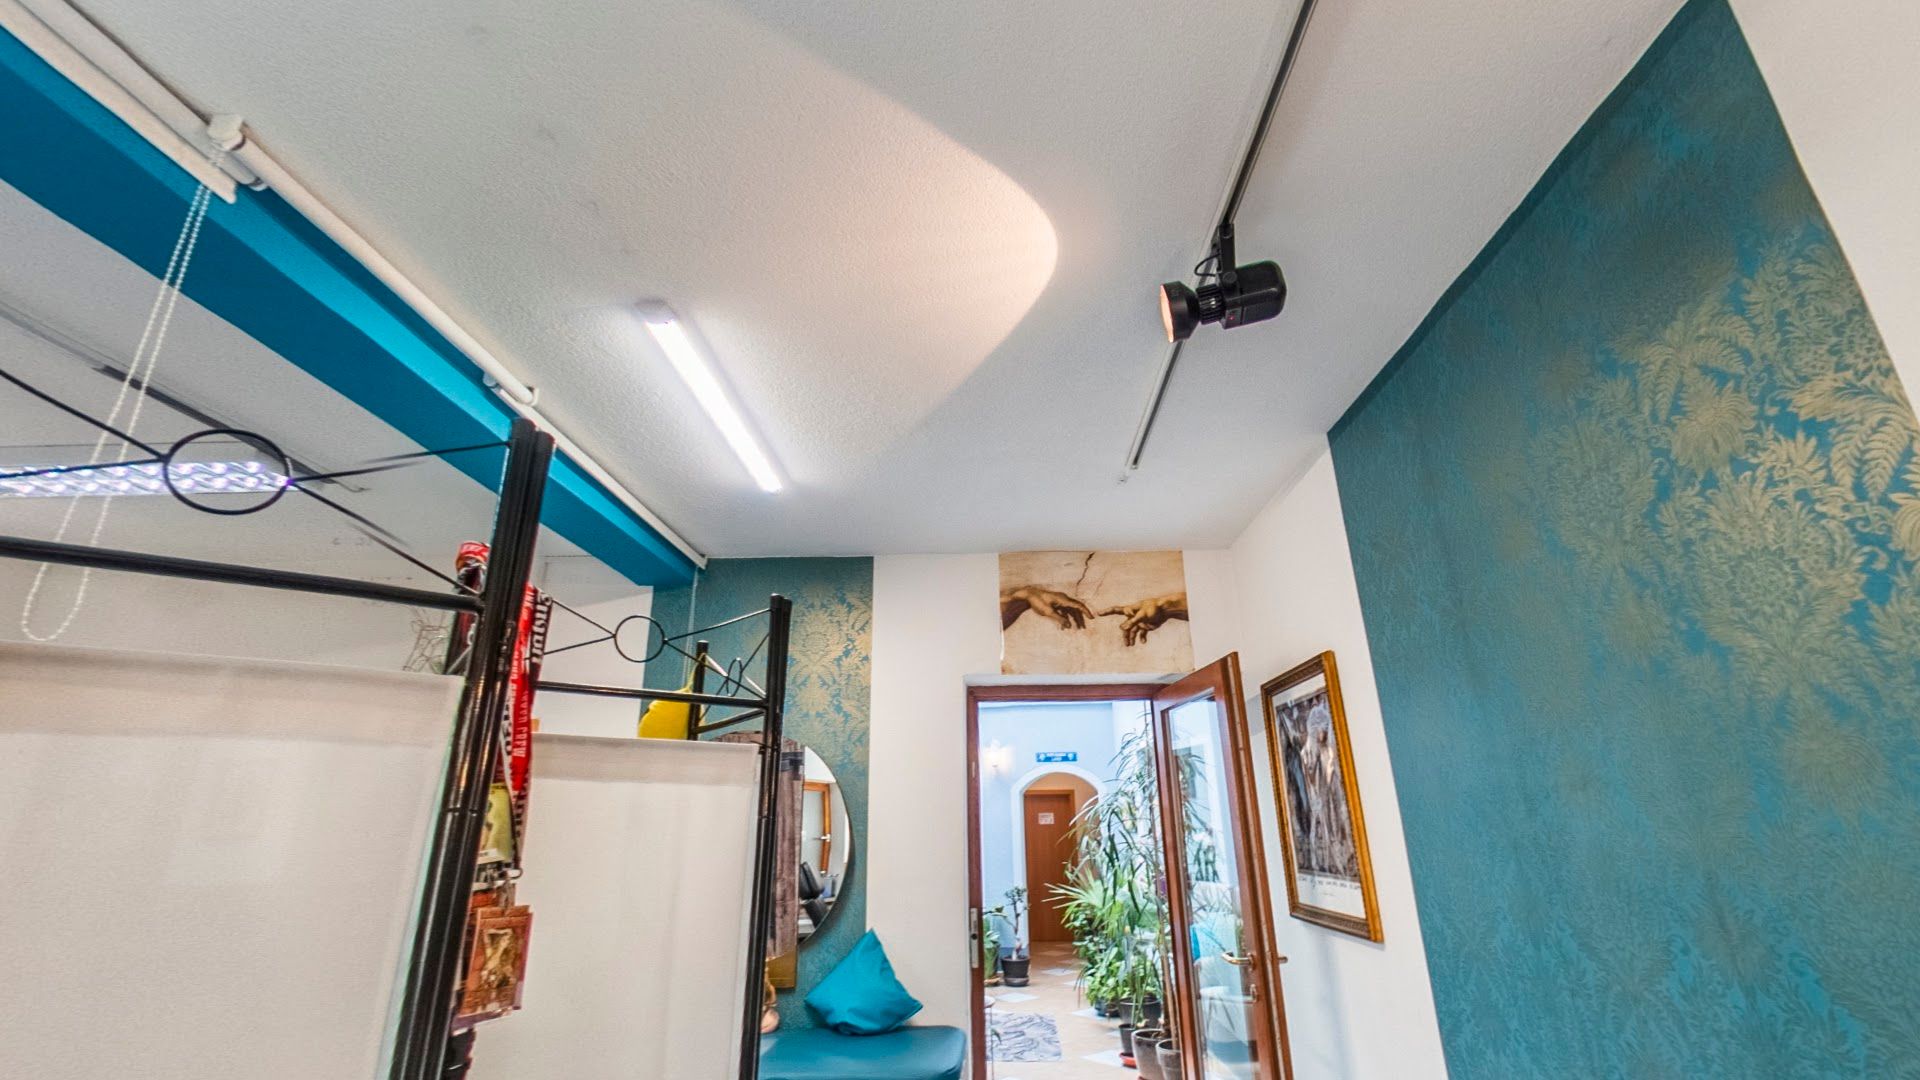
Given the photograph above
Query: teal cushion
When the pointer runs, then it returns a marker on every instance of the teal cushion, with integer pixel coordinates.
(860, 996)
(910, 1053)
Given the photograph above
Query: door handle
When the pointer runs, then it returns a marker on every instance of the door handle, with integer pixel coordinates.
(973, 937)
(1238, 961)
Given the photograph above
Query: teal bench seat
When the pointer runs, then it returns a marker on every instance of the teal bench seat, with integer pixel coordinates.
(908, 1053)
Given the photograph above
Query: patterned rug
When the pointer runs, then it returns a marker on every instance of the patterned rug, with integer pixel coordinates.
(1023, 1037)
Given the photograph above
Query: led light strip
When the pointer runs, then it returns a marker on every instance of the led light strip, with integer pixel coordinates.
(188, 478)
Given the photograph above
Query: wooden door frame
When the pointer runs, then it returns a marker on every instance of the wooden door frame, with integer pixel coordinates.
(1053, 693)
(826, 820)
(1243, 802)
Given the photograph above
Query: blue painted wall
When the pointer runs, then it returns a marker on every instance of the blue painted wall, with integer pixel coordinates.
(1084, 728)
(829, 690)
(1635, 517)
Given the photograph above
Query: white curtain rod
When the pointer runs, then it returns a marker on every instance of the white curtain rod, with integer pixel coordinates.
(84, 53)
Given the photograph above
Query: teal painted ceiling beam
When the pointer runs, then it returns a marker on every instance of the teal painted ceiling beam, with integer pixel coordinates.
(264, 268)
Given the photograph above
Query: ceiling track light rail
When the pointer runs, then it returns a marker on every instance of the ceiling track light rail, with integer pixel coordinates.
(1237, 295)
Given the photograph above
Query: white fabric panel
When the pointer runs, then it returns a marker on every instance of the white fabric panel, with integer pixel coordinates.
(211, 863)
(639, 868)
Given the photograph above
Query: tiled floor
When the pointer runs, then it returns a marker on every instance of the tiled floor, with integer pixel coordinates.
(1089, 1046)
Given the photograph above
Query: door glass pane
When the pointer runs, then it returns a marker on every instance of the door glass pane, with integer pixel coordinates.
(1223, 975)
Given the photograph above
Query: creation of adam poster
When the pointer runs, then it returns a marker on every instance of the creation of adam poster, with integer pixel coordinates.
(1094, 613)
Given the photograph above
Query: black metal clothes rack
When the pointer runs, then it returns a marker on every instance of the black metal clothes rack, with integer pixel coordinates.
(428, 995)
(768, 705)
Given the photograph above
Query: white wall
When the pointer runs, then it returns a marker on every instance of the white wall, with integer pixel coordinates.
(1843, 77)
(936, 622)
(1354, 1009)
(137, 611)
(587, 585)
(936, 626)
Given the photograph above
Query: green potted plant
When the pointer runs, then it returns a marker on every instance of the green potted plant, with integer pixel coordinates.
(1014, 961)
(1113, 907)
(990, 951)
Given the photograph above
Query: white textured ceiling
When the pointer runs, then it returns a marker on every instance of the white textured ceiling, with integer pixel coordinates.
(919, 237)
(68, 302)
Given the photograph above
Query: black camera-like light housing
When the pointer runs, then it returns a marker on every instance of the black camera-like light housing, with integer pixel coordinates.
(1238, 295)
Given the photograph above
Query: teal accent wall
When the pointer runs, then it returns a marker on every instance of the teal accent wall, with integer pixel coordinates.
(1635, 517)
(829, 691)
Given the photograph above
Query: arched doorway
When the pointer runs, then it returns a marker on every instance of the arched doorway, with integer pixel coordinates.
(1046, 801)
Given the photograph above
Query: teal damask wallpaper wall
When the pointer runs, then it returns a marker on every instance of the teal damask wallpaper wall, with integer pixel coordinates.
(1635, 517)
(829, 690)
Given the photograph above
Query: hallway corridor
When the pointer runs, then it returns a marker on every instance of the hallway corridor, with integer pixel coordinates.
(1046, 1031)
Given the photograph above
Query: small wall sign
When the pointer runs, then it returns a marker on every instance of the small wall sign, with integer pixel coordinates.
(1046, 756)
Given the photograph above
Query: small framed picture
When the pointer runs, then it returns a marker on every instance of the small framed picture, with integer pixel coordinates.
(1329, 873)
(498, 963)
(496, 829)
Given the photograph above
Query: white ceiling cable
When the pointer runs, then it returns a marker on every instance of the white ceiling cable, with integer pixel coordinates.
(146, 356)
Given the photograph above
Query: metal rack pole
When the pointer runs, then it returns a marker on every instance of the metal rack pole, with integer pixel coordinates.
(683, 696)
(427, 1001)
(780, 619)
(136, 562)
(698, 686)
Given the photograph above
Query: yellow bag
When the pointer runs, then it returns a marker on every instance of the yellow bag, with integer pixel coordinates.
(667, 719)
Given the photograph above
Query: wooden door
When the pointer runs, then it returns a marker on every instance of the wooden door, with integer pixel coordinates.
(1227, 1005)
(1049, 815)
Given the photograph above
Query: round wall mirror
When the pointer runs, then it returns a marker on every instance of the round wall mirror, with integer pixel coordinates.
(823, 843)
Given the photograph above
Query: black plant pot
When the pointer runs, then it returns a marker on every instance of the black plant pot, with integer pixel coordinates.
(1106, 1009)
(1126, 1043)
(1150, 1013)
(1013, 970)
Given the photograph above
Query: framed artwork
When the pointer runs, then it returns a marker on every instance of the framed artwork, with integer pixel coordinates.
(1329, 873)
(497, 964)
(1094, 613)
(496, 829)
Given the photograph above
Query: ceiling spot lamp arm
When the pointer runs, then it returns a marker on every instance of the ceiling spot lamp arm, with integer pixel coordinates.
(1175, 307)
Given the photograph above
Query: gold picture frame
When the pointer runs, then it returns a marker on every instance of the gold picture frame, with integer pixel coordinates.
(1317, 796)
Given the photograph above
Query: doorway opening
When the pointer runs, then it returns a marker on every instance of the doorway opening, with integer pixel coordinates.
(1051, 765)
(1120, 909)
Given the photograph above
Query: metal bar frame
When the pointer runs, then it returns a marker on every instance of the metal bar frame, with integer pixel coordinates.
(698, 685)
(685, 697)
(771, 708)
(427, 998)
(780, 622)
(138, 562)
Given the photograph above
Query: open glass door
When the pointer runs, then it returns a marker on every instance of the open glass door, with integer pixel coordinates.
(1227, 1006)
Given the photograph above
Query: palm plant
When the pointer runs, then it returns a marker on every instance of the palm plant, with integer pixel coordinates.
(1111, 902)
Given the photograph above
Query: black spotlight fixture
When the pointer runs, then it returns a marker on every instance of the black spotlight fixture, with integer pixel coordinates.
(1229, 295)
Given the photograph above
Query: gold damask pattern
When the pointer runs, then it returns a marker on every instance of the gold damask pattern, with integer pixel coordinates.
(829, 691)
(1636, 520)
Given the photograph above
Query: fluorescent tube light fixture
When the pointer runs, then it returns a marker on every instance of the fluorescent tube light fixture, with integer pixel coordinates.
(144, 478)
(699, 376)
